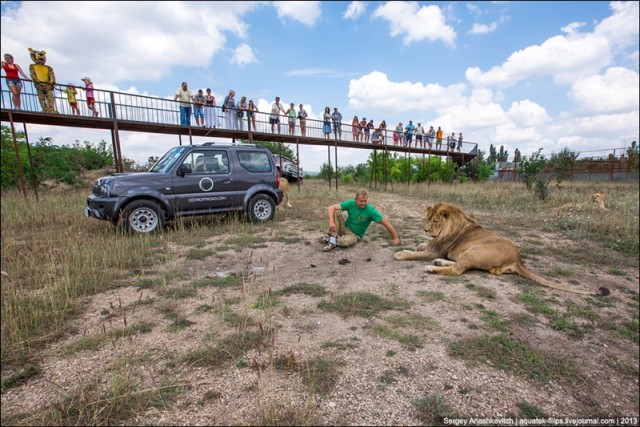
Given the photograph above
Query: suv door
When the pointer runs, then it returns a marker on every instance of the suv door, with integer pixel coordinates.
(209, 187)
(254, 166)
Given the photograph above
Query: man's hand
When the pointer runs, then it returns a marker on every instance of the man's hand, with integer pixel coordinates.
(332, 227)
(396, 241)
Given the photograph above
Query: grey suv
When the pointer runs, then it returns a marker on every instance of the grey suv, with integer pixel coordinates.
(190, 180)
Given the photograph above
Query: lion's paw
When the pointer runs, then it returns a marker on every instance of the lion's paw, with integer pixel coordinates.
(431, 269)
(401, 255)
(438, 262)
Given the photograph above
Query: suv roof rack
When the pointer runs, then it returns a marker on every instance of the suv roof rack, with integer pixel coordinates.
(209, 144)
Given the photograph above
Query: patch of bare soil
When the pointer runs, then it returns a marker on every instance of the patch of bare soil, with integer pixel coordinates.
(379, 378)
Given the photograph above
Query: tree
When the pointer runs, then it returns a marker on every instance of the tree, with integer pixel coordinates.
(563, 163)
(503, 155)
(531, 171)
(493, 155)
(479, 168)
(633, 154)
(517, 156)
(326, 171)
(51, 162)
(278, 148)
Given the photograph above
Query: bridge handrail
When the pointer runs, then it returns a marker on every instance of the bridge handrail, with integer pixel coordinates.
(166, 111)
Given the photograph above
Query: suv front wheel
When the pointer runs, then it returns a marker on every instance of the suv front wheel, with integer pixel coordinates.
(142, 216)
(261, 208)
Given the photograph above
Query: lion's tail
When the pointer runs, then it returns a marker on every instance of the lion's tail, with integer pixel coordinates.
(524, 272)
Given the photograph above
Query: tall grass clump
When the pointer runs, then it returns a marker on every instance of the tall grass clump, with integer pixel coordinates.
(51, 256)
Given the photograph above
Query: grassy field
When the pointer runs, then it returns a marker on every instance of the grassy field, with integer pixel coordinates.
(54, 261)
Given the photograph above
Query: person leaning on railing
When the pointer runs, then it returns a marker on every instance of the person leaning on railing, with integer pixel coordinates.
(14, 83)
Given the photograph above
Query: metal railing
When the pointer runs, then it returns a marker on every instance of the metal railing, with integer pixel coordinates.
(165, 111)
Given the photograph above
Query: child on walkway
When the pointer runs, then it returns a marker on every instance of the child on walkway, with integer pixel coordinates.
(71, 97)
(91, 100)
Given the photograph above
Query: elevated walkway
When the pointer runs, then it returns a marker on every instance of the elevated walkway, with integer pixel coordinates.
(136, 113)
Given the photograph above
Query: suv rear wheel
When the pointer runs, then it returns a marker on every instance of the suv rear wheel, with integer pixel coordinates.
(142, 216)
(261, 208)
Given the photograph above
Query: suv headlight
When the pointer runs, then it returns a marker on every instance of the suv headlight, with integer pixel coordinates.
(104, 187)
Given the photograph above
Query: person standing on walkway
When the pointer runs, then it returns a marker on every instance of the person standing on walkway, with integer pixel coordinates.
(72, 94)
(355, 128)
(198, 105)
(210, 116)
(337, 123)
(326, 123)
(229, 109)
(242, 108)
(186, 97)
(431, 135)
(409, 129)
(291, 117)
(91, 100)
(276, 110)
(251, 115)
(302, 116)
(13, 72)
(439, 134)
(419, 133)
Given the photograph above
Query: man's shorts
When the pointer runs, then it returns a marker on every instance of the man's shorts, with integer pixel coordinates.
(91, 101)
(198, 113)
(274, 121)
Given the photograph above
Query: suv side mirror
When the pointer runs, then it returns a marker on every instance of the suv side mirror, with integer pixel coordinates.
(184, 168)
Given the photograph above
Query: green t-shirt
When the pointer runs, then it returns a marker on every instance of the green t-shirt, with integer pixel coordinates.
(358, 220)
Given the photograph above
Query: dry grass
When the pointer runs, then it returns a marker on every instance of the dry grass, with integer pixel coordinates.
(53, 259)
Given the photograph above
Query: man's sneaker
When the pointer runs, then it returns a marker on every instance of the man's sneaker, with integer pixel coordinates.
(324, 239)
(329, 247)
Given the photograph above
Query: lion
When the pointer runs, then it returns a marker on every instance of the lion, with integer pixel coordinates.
(598, 198)
(284, 186)
(594, 199)
(466, 245)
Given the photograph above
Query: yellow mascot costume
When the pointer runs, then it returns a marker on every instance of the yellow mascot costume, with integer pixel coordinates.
(43, 79)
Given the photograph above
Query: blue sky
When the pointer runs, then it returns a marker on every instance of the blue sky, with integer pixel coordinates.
(525, 75)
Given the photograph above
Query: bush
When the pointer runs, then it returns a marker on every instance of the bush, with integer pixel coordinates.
(49, 161)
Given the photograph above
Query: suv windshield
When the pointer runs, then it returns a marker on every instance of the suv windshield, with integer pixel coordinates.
(167, 161)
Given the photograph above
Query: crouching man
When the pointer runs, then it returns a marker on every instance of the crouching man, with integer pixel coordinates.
(346, 233)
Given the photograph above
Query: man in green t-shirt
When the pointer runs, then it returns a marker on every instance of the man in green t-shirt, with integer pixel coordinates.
(346, 233)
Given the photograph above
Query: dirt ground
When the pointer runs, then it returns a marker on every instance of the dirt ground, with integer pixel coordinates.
(379, 379)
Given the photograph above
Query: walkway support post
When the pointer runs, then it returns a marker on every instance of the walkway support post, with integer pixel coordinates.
(21, 182)
(34, 179)
(115, 136)
(336, 157)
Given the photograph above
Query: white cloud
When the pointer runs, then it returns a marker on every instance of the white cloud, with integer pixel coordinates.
(416, 23)
(614, 91)
(354, 10)
(243, 55)
(374, 91)
(528, 113)
(306, 72)
(483, 28)
(174, 33)
(306, 12)
(573, 27)
(566, 58)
